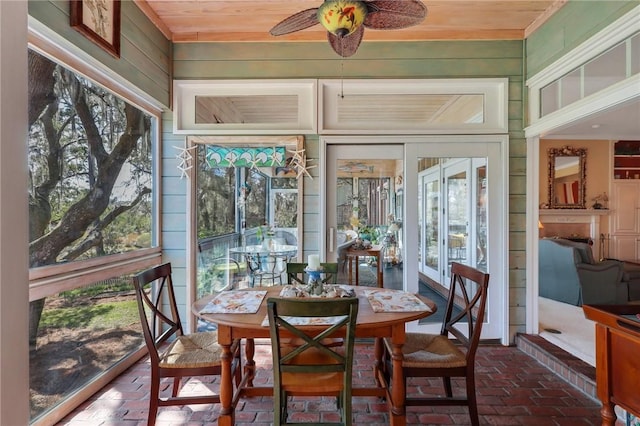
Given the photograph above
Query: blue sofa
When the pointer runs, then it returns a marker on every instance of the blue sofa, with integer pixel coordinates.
(569, 273)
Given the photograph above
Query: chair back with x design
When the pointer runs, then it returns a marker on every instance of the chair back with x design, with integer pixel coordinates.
(302, 363)
(172, 353)
(451, 353)
(468, 292)
(296, 273)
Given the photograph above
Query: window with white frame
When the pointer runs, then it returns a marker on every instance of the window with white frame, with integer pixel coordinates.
(92, 221)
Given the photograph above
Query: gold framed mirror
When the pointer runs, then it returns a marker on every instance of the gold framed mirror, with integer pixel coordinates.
(567, 178)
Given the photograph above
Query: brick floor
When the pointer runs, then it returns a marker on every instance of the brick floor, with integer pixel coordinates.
(513, 388)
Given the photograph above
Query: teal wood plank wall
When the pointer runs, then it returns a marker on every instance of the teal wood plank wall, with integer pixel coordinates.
(573, 24)
(145, 54)
(456, 59)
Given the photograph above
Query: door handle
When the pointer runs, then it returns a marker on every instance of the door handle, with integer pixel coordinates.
(331, 240)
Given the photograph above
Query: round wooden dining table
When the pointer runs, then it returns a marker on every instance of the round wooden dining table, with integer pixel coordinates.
(370, 324)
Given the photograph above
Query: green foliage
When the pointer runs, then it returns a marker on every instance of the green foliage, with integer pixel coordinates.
(108, 286)
(215, 198)
(256, 205)
(103, 315)
(370, 233)
(68, 158)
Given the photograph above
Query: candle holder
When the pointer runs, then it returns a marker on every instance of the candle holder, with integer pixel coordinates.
(314, 284)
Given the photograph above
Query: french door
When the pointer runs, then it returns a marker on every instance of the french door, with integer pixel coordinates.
(452, 216)
(450, 199)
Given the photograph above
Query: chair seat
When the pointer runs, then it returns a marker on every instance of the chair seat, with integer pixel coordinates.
(193, 351)
(430, 350)
(312, 382)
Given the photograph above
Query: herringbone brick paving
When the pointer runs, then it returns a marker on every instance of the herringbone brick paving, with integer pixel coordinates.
(512, 389)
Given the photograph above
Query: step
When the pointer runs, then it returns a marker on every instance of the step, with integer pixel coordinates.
(573, 370)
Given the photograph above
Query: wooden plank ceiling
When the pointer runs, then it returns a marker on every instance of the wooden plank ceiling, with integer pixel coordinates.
(251, 20)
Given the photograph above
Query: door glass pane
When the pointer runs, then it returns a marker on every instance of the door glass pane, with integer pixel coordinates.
(368, 202)
(432, 222)
(453, 218)
(457, 217)
(429, 214)
(481, 218)
(246, 194)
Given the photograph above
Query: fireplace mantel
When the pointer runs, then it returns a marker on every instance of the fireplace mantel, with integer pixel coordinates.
(587, 218)
(573, 212)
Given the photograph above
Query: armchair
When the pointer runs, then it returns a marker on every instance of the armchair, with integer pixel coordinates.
(569, 273)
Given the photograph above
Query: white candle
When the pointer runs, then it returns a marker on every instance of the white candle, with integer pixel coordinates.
(314, 262)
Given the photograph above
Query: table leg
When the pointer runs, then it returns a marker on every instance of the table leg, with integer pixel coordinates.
(603, 381)
(250, 364)
(398, 391)
(608, 414)
(380, 270)
(350, 259)
(357, 271)
(227, 414)
(378, 350)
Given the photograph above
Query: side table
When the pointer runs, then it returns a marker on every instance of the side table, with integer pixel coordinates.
(617, 362)
(353, 254)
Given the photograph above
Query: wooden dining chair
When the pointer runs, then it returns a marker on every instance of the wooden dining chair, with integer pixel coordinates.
(304, 365)
(436, 355)
(172, 353)
(297, 275)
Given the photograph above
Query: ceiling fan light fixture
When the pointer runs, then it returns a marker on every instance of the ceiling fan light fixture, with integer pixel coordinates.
(345, 20)
(342, 17)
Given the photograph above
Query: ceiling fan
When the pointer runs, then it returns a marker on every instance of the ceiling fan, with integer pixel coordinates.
(345, 20)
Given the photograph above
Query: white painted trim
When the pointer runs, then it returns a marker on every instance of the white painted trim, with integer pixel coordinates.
(610, 36)
(613, 34)
(533, 189)
(45, 41)
(494, 91)
(184, 105)
(605, 99)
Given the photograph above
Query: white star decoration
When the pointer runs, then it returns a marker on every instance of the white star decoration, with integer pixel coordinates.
(186, 160)
(254, 163)
(299, 163)
(276, 158)
(231, 157)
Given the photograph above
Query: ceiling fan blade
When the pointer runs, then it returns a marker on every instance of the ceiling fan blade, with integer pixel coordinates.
(394, 14)
(347, 45)
(296, 22)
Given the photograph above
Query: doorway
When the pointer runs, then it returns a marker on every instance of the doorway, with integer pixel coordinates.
(366, 213)
(453, 186)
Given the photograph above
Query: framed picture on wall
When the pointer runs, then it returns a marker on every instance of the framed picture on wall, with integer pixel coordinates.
(99, 21)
